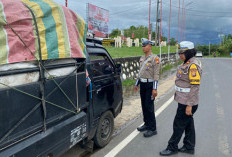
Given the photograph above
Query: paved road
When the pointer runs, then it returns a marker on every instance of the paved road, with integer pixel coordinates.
(213, 120)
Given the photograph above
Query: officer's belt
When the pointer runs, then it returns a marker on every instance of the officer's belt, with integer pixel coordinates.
(146, 80)
(184, 90)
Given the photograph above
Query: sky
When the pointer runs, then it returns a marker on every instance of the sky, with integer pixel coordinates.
(205, 19)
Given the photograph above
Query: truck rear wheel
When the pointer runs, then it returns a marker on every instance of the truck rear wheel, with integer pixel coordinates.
(104, 130)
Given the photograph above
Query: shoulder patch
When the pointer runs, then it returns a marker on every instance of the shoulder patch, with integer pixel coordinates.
(157, 60)
(194, 76)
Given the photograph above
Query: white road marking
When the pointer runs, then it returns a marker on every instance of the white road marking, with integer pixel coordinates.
(216, 86)
(223, 144)
(129, 138)
(218, 95)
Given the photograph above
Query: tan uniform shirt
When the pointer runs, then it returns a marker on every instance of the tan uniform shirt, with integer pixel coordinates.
(151, 69)
(189, 76)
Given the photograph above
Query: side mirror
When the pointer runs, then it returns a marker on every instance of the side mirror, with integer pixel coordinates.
(118, 68)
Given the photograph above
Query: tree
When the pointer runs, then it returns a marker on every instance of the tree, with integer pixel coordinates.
(173, 42)
(139, 32)
(204, 49)
(164, 38)
(226, 48)
(115, 32)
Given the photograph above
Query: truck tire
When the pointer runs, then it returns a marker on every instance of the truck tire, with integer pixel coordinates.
(104, 130)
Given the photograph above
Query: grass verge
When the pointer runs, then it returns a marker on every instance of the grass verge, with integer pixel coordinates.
(135, 51)
(129, 82)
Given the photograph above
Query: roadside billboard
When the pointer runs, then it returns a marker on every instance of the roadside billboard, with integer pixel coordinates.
(98, 21)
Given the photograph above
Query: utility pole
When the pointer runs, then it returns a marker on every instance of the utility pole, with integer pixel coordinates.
(178, 31)
(149, 19)
(170, 14)
(209, 48)
(184, 7)
(157, 20)
(178, 22)
(160, 36)
(160, 30)
(150, 31)
(220, 37)
(87, 15)
(182, 20)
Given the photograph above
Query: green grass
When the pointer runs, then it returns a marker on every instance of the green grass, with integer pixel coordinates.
(224, 56)
(167, 67)
(135, 51)
(178, 63)
(128, 82)
(170, 66)
(211, 56)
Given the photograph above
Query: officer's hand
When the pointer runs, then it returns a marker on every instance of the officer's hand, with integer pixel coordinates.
(136, 88)
(154, 93)
(188, 110)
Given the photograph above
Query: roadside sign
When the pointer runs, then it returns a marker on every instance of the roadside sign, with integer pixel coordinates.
(231, 54)
(108, 42)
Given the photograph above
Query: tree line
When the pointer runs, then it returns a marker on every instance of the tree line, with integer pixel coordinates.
(138, 32)
(222, 49)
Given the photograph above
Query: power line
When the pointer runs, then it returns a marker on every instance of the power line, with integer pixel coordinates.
(127, 10)
(207, 15)
(177, 7)
(201, 11)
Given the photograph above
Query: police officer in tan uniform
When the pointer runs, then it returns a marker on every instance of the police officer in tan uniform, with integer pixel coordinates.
(187, 86)
(148, 80)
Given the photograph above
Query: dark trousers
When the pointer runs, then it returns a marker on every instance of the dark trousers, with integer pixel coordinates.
(183, 122)
(148, 105)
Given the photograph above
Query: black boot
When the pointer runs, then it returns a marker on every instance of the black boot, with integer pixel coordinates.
(149, 133)
(185, 150)
(142, 128)
(167, 152)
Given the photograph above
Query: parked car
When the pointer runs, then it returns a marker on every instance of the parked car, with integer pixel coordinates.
(199, 54)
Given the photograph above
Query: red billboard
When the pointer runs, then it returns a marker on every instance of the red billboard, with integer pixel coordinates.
(98, 21)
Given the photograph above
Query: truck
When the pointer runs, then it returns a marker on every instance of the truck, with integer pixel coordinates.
(58, 88)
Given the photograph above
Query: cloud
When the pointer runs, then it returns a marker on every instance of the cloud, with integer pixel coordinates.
(204, 18)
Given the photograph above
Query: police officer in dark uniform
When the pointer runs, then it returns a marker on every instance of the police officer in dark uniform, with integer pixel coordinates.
(187, 87)
(148, 80)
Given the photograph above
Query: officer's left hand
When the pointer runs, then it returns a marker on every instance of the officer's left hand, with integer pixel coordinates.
(188, 110)
(154, 93)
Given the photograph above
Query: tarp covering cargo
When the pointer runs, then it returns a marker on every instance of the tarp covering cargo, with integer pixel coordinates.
(37, 95)
(43, 25)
